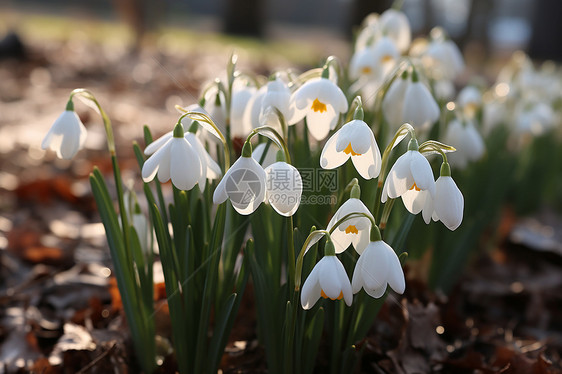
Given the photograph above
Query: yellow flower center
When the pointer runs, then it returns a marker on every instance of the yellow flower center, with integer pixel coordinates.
(351, 229)
(318, 106)
(366, 70)
(349, 150)
(415, 186)
(323, 294)
(386, 58)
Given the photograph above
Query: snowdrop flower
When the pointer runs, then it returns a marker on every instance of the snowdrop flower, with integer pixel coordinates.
(210, 169)
(215, 106)
(444, 90)
(244, 184)
(67, 135)
(143, 229)
(494, 113)
(374, 62)
(448, 204)
(410, 178)
(177, 160)
(275, 94)
(354, 140)
(284, 188)
(394, 24)
(442, 57)
(535, 120)
(410, 101)
(377, 267)
(321, 101)
(354, 230)
(469, 100)
(327, 279)
(241, 95)
(468, 142)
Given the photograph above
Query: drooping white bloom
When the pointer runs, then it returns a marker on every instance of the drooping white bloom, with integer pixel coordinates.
(283, 188)
(215, 106)
(375, 62)
(411, 178)
(321, 101)
(469, 100)
(210, 169)
(535, 119)
(444, 90)
(356, 140)
(395, 25)
(420, 108)
(241, 95)
(327, 279)
(443, 59)
(409, 101)
(244, 184)
(369, 33)
(275, 94)
(377, 267)
(278, 96)
(394, 101)
(177, 160)
(493, 114)
(67, 135)
(448, 204)
(355, 230)
(468, 142)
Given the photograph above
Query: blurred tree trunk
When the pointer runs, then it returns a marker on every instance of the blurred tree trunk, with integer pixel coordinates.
(546, 38)
(244, 17)
(140, 16)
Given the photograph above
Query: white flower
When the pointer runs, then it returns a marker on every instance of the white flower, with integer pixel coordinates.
(443, 59)
(321, 101)
(278, 96)
(210, 169)
(66, 136)
(420, 108)
(469, 100)
(394, 101)
(467, 141)
(355, 230)
(274, 94)
(284, 188)
(410, 177)
(143, 229)
(215, 107)
(535, 120)
(178, 160)
(494, 113)
(395, 25)
(356, 140)
(241, 95)
(448, 204)
(377, 267)
(376, 61)
(444, 89)
(329, 280)
(244, 184)
(409, 101)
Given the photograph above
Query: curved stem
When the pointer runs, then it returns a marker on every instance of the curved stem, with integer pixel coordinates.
(300, 258)
(404, 130)
(106, 121)
(265, 131)
(202, 117)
